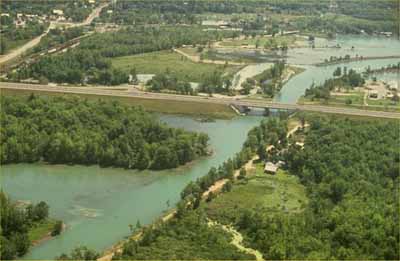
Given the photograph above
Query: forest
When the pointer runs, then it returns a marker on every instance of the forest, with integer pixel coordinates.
(90, 63)
(16, 221)
(73, 130)
(58, 36)
(347, 16)
(350, 170)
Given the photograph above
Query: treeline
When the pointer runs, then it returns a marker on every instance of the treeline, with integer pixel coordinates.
(144, 39)
(168, 82)
(72, 130)
(89, 63)
(213, 82)
(353, 16)
(343, 24)
(271, 80)
(75, 66)
(216, 82)
(15, 223)
(389, 68)
(344, 79)
(58, 36)
(350, 169)
(186, 237)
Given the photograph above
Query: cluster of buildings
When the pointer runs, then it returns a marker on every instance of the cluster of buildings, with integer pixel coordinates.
(22, 19)
(271, 167)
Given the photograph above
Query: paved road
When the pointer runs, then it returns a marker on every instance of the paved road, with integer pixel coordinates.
(32, 43)
(20, 50)
(119, 92)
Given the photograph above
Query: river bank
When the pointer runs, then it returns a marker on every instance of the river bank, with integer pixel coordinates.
(114, 197)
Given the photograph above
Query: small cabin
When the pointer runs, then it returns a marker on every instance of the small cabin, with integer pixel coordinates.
(373, 94)
(270, 168)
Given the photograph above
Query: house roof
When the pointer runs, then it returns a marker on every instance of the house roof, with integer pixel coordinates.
(270, 167)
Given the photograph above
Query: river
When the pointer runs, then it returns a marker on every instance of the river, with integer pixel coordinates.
(305, 57)
(99, 204)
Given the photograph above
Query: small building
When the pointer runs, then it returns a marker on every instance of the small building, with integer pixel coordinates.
(219, 23)
(92, 1)
(58, 12)
(373, 94)
(270, 168)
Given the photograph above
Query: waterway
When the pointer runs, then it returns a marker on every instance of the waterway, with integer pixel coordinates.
(305, 57)
(98, 204)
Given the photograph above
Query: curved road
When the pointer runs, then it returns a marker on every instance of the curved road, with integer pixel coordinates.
(32, 43)
(116, 91)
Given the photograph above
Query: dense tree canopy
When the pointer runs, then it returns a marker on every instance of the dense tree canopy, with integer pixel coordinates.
(75, 130)
(90, 63)
(15, 222)
(351, 171)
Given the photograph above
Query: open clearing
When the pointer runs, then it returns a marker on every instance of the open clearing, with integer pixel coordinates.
(41, 230)
(176, 64)
(272, 193)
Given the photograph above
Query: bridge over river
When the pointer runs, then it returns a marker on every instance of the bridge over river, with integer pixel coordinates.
(133, 93)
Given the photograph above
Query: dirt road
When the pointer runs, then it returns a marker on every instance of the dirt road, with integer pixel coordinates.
(237, 240)
(219, 184)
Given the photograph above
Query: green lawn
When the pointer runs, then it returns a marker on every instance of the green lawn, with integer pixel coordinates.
(271, 193)
(383, 102)
(357, 102)
(159, 62)
(356, 98)
(41, 230)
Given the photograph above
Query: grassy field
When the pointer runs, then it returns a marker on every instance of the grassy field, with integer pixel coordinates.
(356, 102)
(160, 62)
(41, 230)
(356, 98)
(195, 109)
(271, 193)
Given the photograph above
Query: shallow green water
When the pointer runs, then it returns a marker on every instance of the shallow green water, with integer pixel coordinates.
(98, 204)
(296, 86)
(304, 57)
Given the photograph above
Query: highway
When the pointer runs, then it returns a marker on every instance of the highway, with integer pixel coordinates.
(132, 93)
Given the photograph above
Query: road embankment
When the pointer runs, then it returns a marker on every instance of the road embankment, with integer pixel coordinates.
(195, 105)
